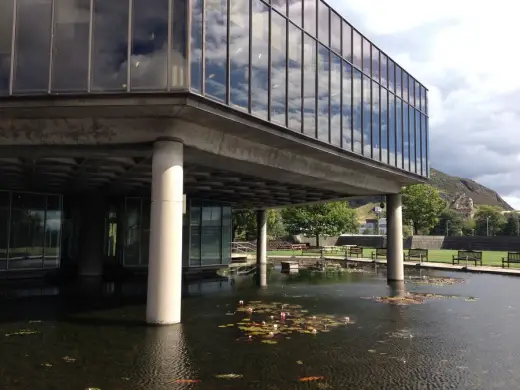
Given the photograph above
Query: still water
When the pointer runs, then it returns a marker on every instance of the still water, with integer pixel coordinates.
(94, 337)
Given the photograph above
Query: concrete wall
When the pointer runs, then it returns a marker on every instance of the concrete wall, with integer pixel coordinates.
(427, 242)
(470, 242)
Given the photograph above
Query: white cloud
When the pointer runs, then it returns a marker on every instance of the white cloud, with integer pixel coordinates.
(464, 52)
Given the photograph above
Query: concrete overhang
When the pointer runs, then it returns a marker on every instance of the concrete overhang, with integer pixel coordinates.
(215, 136)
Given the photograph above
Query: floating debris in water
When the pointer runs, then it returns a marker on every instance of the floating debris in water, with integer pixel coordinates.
(434, 281)
(312, 378)
(187, 381)
(46, 365)
(229, 376)
(299, 362)
(471, 299)
(69, 359)
(269, 342)
(409, 298)
(35, 322)
(23, 332)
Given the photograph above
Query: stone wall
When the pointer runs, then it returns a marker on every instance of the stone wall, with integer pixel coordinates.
(427, 242)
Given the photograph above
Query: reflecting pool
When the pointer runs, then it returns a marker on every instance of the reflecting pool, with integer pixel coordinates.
(93, 337)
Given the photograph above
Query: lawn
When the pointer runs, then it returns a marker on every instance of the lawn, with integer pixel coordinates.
(489, 258)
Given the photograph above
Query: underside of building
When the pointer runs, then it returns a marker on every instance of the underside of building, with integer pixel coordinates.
(130, 131)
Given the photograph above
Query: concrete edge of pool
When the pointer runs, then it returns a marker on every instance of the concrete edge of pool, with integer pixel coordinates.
(411, 264)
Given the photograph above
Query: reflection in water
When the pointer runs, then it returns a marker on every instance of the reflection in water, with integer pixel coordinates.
(97, 338)
(164, 358)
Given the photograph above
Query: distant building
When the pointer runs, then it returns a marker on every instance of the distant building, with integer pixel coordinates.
(370, 225)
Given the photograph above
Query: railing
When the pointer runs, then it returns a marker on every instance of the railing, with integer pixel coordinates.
(243, 247)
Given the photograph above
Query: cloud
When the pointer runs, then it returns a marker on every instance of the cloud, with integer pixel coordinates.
(463, 52)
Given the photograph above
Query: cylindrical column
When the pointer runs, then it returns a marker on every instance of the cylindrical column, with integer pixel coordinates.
(163, 304)
(395, 256)
(261, 248)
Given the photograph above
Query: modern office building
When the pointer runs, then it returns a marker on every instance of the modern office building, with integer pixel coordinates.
(129, 129)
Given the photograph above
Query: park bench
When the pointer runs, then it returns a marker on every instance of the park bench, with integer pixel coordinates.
(416, 253)
(354, 251)
(379, 253)
(473, 256)
(512, 257)
(331, 249)
(310, 249)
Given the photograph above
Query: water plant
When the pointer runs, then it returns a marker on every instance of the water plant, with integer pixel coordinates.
(273, 321)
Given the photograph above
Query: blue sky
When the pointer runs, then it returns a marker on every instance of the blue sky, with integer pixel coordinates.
(464, 52)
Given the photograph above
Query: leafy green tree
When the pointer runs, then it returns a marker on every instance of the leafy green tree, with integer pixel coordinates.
(489, 221)
(324, 219)
(244, 224)
(450, 223)
(469, 227)
(512, 226)
(422, 204)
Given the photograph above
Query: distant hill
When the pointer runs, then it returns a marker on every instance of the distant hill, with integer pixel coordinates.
(451, 188)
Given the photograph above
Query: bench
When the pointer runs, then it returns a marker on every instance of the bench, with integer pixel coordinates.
(379, 253)
(417, 253)
(512, 257)
(354, 251)
(474, 256)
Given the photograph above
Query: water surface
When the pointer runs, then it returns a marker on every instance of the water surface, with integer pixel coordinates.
(94, 337)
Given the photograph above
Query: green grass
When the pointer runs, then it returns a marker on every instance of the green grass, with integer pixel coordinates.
(489, 258)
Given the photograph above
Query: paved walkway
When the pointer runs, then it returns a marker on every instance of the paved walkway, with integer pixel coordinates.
(411, 264)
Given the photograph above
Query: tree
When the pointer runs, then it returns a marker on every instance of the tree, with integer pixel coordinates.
(489, 221)
(450, 223)
(512, 226)
(422, 204)
(244, 224)
(324, 219)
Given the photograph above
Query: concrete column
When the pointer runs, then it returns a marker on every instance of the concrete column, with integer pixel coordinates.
(92, 210)
(395, 257)
(163, 304)
(261, 248)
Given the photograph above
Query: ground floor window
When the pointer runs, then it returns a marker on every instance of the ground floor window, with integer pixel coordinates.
(206, 233)
(30, 230)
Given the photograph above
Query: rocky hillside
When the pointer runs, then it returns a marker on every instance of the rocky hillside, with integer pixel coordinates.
(451, 188)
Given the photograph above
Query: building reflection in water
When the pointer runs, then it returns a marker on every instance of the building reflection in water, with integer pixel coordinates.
(164, 358)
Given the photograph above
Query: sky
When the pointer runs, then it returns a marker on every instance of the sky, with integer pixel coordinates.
(465, 53)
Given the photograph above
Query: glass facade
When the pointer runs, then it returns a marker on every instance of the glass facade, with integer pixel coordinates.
(30, 230)
(206, 233)
(294, 63)
(98, 46)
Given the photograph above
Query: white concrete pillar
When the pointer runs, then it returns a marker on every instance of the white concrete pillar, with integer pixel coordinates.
(394, 237)
(163, 304)
(261, 248)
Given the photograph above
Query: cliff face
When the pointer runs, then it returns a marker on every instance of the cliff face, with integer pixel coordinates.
(453, 188)
(459, 193)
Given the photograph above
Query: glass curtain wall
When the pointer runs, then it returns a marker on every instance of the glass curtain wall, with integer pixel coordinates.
(98, 46)
(299, 65)
(210, 234)
(30, 230)
(207, 233)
